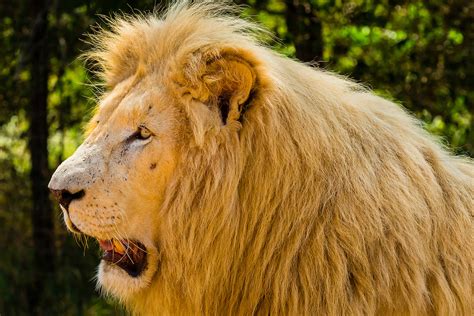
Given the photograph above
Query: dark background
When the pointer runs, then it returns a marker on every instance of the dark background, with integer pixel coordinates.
(419, 53)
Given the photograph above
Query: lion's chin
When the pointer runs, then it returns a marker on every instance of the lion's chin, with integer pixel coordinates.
(115, 281)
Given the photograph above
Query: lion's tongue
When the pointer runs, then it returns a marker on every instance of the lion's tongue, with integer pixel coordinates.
(106, 245)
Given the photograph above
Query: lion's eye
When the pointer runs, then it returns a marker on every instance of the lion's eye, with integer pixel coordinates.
(143, 133)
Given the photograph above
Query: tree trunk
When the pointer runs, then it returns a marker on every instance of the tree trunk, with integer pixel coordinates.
(42, 217)
(305, 29)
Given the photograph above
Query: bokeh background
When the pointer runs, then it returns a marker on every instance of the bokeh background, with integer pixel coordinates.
(419, 53)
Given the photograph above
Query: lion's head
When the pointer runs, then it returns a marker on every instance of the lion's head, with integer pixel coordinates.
(165, 99)
(219, 176)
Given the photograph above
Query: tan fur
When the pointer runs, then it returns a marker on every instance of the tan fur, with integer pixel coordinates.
(320, 198)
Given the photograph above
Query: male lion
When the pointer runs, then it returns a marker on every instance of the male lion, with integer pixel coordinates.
(220, 177)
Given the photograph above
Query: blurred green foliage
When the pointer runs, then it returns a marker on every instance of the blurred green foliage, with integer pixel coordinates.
(419, 53)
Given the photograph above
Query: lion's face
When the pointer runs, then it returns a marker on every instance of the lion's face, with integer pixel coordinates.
(112, 187)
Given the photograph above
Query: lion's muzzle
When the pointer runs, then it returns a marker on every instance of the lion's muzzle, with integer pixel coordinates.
(75, 175)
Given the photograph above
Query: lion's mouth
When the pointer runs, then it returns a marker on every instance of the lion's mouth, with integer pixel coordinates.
(130, 255)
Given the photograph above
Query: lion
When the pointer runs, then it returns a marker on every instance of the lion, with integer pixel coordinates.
(220, 177)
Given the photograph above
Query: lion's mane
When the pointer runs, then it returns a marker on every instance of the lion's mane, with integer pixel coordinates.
(323, 199)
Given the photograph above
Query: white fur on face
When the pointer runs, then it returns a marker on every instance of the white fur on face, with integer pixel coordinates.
(123, 178)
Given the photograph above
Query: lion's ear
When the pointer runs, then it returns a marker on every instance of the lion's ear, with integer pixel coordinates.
(223, 79)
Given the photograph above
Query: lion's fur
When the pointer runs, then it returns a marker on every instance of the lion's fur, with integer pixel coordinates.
(322, 199)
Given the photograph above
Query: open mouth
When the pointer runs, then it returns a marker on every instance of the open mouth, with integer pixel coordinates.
(130, 255)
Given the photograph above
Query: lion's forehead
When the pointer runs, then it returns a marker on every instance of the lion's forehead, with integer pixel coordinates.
(131, 106)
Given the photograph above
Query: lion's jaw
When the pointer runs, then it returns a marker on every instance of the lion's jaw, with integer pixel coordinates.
(118, 177)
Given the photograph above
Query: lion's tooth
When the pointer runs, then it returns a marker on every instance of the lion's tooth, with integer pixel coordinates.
(118, 246)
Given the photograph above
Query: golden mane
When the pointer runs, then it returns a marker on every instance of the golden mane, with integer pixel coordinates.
(321, 199)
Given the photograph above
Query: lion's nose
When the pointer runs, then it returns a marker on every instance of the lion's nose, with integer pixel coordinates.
(65, 197)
